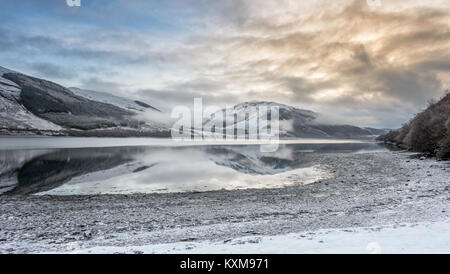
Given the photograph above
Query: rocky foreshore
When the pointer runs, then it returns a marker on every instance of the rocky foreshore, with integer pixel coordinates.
(367, 190)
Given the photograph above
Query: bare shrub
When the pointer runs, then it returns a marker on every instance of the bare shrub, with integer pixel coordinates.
(428, 131)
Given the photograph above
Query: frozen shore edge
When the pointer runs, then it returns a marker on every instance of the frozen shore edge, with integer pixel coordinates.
(429, 238)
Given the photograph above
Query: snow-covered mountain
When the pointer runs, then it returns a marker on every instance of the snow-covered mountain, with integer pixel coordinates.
(30, 105)
(13, 114)
(104, 97)
(293, 122)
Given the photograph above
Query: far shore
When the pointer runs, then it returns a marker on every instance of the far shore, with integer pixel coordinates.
(40, 142)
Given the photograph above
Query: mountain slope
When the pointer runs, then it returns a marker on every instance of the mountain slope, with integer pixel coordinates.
(59, 105)
(428, 131)
(294, 122)
(104, 97)
(31, 105)
(377, 131)
(13, 114)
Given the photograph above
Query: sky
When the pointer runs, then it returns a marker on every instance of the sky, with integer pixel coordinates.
(362, 62)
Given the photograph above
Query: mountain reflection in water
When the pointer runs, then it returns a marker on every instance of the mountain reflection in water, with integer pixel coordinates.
(124, 170)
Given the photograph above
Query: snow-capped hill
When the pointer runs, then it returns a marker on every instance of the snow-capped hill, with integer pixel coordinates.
(293, 122)
(255, 111)
(30, 105)
(15, 115)
(268, 104)
(10, 87)
(104, 97)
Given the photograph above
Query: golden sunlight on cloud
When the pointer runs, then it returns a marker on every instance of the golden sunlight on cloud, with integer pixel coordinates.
(326, 55)
(328, 94)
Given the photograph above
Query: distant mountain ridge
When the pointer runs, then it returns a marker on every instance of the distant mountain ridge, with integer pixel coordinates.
(30, 105)
(104, 97)
(377, 131)
(294, 122)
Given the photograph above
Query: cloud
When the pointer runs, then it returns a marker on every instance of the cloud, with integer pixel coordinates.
(94, 83)
(46, 70)
(380, 63)
(373, 66)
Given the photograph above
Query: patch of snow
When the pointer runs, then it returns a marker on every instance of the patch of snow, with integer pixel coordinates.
(7, 82)
(14, 115)
(108, 98)
(244, 106)
(241, 110)
(9, 88)
(406, 238)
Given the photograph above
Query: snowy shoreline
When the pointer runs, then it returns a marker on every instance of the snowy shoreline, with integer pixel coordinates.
(370, 190)
(429, 238)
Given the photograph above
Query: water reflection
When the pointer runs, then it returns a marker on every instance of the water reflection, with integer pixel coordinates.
(120, 170)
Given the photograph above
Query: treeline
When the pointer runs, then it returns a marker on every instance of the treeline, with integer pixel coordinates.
(118, 133)
(428, 131)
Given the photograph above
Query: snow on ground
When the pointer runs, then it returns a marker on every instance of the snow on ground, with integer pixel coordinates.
(9, 86)
(407, 238)
(15, 115)
(359, 210)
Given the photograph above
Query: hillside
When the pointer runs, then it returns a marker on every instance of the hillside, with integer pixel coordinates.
(13, 114)
(294, 122)
(32, 106)
(132, 105)
(428, 131)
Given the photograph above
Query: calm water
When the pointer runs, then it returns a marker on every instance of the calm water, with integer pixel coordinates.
(158, 168)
